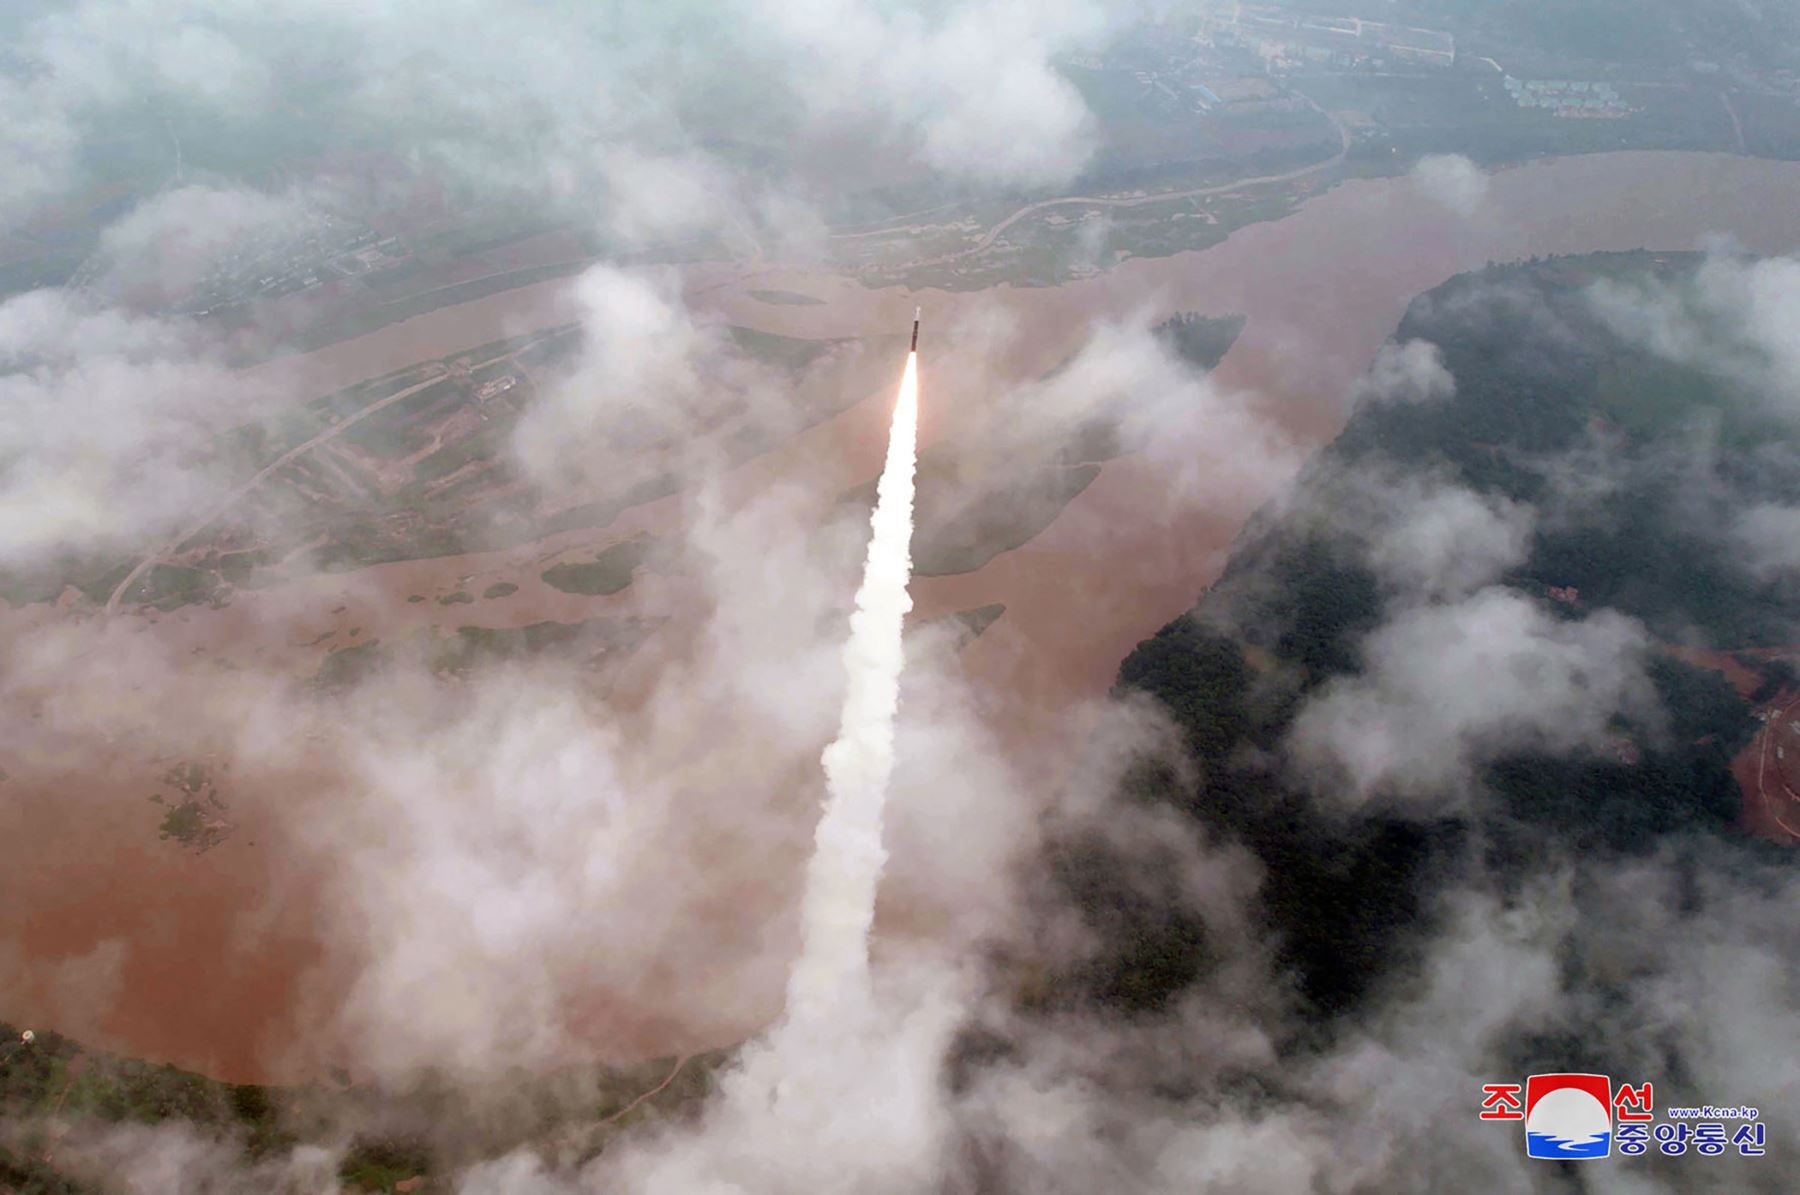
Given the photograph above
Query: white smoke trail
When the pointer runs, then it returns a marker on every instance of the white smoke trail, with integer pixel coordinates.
(839, 905)
(844, 1093)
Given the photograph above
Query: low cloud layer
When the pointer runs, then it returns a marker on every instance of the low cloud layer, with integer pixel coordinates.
(1449, 687)
(1425, 536)
(166, 246)
(1453, 181)
(112, 424)
(1410, 372)
(562, 101)
(1735, 317)
(515, 872)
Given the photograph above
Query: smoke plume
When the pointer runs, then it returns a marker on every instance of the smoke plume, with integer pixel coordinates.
(839, 905)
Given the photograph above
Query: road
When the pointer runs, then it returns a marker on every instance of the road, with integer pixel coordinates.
(981, 246)
(237, 495)
(1737, 125)
(1762, 762)
(988, 238)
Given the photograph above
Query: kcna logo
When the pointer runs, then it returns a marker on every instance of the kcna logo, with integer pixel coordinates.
(1570, 1116)
(1567, 1116)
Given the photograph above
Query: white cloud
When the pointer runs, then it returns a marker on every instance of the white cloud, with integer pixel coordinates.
(1453, 181)
(972, 83)
(1446, 688)
(648, 384)
(110, 420)
(1442, 540)
(1425, 535)
(968, 90)
(1769, 535)
(1734, 317)
(1410, 372)
(175, 1158)
(165, 246)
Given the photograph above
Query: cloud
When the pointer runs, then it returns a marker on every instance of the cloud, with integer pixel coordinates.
(1769, 535)
(533, 868)
(652, 395)
(1453, 181)
(562, 103)
(1406, 373)
(72, 69)
(167, 245)
(1592, 951)
(1734, 317)
(1448, 540)
(1215, 446)
(669, 196)
(523, 871)
(637, 384)
(972, 86)
(1423, 534)
(1446, 688)
(109, 439)
(175, 1158)
(40, 143)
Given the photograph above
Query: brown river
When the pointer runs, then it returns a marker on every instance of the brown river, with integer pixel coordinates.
(107, 934)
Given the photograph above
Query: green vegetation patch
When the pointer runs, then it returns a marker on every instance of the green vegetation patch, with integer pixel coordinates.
(608, 573)
(585, 644)
(997, 522)
(786, 298)
(350, 666)
(482, 446)
(499, 589)
(379, 1165)
(95, 576)
(194, 815)
(787, 351)
(980, 618)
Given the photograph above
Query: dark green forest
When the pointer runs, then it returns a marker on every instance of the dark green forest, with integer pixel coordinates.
(53, 1082)
(1542, 386)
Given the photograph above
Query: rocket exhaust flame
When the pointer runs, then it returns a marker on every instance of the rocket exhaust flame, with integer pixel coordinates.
(838, 908)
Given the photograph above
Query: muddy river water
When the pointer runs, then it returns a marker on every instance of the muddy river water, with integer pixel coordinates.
(107, 934)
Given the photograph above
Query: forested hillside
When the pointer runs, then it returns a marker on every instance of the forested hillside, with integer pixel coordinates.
(1617, 472)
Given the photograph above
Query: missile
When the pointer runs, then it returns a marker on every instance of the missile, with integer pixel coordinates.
(916, 313)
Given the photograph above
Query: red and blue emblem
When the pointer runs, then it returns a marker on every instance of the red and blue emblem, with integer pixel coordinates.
(1568, 1116)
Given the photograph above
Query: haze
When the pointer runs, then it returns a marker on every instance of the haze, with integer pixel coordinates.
(491, 700)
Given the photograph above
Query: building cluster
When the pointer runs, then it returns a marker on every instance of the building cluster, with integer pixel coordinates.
(495, 387)
(1288, 42)
(1569, 99)
(283, 261)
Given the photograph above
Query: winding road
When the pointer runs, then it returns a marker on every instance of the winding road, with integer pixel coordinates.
(287, 458)
(1767, 736)
(991, 235)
